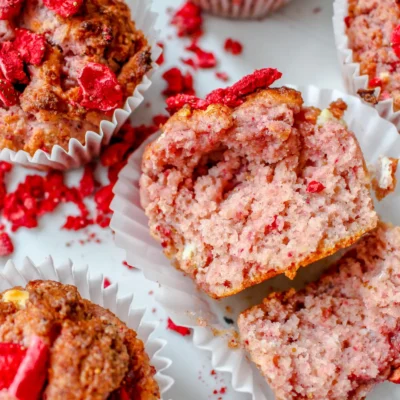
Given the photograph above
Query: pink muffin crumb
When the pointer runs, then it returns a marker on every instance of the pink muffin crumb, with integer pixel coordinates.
(339, 337)
(237, 195)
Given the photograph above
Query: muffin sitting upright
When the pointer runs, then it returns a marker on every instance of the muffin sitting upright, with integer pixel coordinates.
(64, 67)
(244, 186)
(56, 345)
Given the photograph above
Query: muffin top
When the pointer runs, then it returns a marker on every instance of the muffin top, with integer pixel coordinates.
(62, 346)
(64, 67)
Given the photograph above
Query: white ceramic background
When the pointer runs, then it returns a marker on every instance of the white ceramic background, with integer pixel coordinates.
(294, 33)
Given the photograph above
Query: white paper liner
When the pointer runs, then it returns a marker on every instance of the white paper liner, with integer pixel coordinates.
(91, 288)
(178, 295)
(78, 153)
(246, 9)
(352, 78)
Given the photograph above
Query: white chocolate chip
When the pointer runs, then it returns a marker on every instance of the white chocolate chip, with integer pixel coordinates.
(327, 116)
(188, 251)
(385, 173)
(16, 296)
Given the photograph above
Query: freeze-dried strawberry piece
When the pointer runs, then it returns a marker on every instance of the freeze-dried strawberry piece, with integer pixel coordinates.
(233, 46)
(103, 199)
(175, 103)
(99, 88)
(64, 8)
(75, 223)
(6, 245)
(5, 167)
(223, 76)
(87, 182)
(204, 59)
(315, 187)
(10, 8)
(11, 64)
(160, 60)
(114, 153)
(230, 96)
(30, 46)
(395, 40)
(188, 20)
(177, 82)
(179, 329)
(11, 356)
(8, 95)
(375, 82)
(106, 283)
(32, 373)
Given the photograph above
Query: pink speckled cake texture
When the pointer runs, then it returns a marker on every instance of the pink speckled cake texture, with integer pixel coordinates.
(338, 337)
(236, 196)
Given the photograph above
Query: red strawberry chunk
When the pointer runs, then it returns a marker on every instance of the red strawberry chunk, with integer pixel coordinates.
(233, 46)
(6, 245)
(30, 46)
(11, 356)
(8, 95)
(375, 82)
(315, 187)
(32, 373)
(10, 8)
(99, 87)
(204, 59)
(395, 40)
(11, 64)
(188, 20)
(64, 8)
(177, 82)
(178, 329)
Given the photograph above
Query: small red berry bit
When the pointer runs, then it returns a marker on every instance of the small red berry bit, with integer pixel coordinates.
(11, 65)
(30, 46)
(32, 373)
(106, 283)
(160, 60)
(11, 356)
(188, 20)
(10, 8)
(375, 82)
(175, 103)
(87, 183)
(204, 59)
(6, 245)
(233, 46)
(8, 95)
(315, 187)
(223, 76)
(347, 21)
(183, 331)
(99, 87)
(177, 83)
(395, 40)
(64, 8)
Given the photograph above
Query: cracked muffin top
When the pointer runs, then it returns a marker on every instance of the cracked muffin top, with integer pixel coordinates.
(64, 67)
(56, 345)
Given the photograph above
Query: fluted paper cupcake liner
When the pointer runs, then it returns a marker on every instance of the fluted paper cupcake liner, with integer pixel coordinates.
(79, 153)
(191, 307)
(241, 9)
(91, 288)
(352, 78)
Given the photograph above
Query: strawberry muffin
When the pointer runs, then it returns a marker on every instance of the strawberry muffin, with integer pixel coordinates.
(373, 30)
(250, 183)
(340, 336)
(56, 345)
(64, 67)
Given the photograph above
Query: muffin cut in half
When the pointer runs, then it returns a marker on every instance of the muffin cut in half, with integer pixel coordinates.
(56, 345)
(249, 183)
(339, 336)
(64, 67)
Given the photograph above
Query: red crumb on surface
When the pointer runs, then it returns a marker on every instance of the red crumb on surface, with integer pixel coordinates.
(183, 331)
(6, 245)
(223, 76)
(315, 187)
(188, 20)
(125, 264)
(204, 59)
(339, 337)
(233, 46)
(177, 82)
(231, 96)
(160, 60)
(106, 283)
